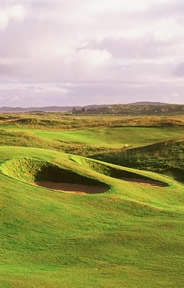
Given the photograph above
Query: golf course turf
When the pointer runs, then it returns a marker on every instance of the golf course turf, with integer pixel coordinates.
(73, 221)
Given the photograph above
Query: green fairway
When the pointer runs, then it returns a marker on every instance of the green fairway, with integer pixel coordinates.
(128, 235)
(113, 137)
(116, 137)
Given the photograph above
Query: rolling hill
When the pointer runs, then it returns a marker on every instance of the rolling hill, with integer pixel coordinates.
(72, 221)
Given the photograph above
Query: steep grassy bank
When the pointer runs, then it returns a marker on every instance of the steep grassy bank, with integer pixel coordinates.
(163, 157)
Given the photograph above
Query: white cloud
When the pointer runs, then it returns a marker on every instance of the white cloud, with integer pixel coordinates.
(34, 87)
(167, 29)
(100, 41)
(15, 12)
(104, 6)
(86, 63)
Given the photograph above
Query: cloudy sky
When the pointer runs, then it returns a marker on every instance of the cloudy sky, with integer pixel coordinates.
(79, 52)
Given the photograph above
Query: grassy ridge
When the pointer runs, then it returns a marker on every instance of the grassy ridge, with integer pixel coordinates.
(89, 141)
(164, 157)
(55, 121)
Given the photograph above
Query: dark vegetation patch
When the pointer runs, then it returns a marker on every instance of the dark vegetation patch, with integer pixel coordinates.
(48, 174)
(5, 117)
(26, 121)
(165, 157)
(35, 122)
(132, 109)
(11, 138)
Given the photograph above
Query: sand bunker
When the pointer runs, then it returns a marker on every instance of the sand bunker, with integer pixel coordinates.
(72, 188)
(146, 182)
(51, 176)
(123, 174)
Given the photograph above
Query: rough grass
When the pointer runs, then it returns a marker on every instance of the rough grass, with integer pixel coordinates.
(130, 236)
(165, 157)
(88, 142)
(61, 121)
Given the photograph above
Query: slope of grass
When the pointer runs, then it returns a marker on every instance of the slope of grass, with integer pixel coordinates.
(23, 138)
(164, 157)
(113, 137)
(130, 236)
(30, 138)
(103, 137)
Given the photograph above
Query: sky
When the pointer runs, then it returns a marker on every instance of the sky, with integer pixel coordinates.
(81, 52)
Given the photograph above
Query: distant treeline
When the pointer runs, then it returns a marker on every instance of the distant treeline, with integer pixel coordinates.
(130, 109)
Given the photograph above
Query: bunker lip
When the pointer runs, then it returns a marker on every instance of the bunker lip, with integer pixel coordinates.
(124, 174)
(146, 182)
(52, 176)
(72, 188)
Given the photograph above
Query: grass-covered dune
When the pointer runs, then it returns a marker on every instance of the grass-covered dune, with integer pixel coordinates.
(129, 235)
(87, 142)
(50, 121)
(164, 157)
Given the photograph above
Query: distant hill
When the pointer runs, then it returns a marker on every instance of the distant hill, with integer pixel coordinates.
(37, 109)
(48, 108)
(140, 108)
(137, 108)
(148, 103)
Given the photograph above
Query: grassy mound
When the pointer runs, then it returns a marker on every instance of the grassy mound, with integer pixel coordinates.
(35, 122)
(165, 157)
(49, 175)
(24, 139)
